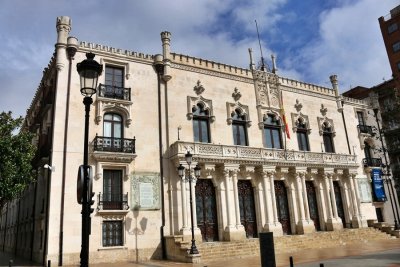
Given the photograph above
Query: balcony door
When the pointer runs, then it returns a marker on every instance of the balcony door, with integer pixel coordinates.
(112, 132)
(206, 209)
(112, 189)
(247, 208)
(282, 207)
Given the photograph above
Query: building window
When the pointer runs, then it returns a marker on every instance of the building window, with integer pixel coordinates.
(398, 66)
(201, 125)
(272, 132)
(114, 76)
(396, 47)
(327, 136)
(112, 233)
(392, 28)
(360, 117)
(112, 131)
(367, 152)
(239, 128)
(302, 136)
(112, 190)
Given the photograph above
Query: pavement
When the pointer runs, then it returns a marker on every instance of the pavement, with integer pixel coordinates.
(382, 253)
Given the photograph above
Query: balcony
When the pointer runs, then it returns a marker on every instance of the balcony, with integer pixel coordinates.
(112, 202)
(365, 129)
(110, 91)
(111, 144)
(211, 153)
(372, 162)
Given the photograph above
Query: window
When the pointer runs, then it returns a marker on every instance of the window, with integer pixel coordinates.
(114, 83)
(360, 117)
(398, 66)
(392, 28)
(302, 136)
(239, 128)
(367, 153)
(396, 47)
(114, 76)
(112, 233)
(272, 132)
(112, 131)
(327, 136)
(201, 128)
(112, 190)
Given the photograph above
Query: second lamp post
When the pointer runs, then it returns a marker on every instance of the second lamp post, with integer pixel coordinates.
(189, 178)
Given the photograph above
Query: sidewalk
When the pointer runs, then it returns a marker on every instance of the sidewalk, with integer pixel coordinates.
(382, 253)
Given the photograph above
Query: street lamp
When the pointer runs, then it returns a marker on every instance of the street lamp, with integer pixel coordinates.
(190, 178)
(386, 173)
(89, 70)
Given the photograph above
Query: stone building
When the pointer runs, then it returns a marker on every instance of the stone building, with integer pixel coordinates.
(276, 155)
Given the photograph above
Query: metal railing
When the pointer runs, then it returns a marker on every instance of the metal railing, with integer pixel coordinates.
(115, 92)
(365, 129)
(112, 201)
(372, 162)
(112, 144)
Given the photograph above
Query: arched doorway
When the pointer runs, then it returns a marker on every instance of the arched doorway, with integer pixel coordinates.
(282, 207)
(206, 210)
(247, 208)
(312, 204)
(339, 202)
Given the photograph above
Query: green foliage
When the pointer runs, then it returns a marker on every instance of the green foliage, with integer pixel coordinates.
(16, 154)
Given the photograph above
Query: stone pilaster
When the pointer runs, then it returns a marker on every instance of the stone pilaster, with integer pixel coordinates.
(333, 222)
(303, 226)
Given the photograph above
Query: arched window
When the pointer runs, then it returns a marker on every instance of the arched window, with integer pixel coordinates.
(272, 132)
(112, 131)
(302, 135)
(201, 124)
(239, 128)
(327, 136)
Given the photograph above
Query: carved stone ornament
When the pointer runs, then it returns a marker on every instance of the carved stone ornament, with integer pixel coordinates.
(193, 101)
(299, 117)
(122, 107)
(298, 106)
(236, 94)
(329, 122)
(263, 113)
(323, 110)
(199, 88)
(244, 110)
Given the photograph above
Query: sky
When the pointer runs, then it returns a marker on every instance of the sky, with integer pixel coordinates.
(311, 39)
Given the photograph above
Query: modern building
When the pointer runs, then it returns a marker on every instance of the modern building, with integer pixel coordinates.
(276, 155)
(390, 28)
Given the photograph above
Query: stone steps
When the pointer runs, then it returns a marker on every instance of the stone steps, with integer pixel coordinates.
(218, 250)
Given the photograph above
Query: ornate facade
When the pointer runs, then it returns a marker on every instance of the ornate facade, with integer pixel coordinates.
(276, 155)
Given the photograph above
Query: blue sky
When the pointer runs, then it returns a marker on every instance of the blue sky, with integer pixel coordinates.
(311, 39)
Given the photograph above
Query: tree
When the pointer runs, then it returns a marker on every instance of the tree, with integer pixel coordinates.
(16, 154)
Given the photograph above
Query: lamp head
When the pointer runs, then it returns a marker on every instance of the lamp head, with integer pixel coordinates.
(89, 71)
(188, 158)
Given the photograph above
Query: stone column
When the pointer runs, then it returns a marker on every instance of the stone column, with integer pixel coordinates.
(306, 207)
(304, 226)
(236, 198)
(333, 223)
(232, 232)
(358, 220)
(184, 207)
(272, 224)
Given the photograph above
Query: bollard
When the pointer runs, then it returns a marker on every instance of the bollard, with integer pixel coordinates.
(321, 265)
(267, 249)
(10, 263)
(291, 261)
(49, 263)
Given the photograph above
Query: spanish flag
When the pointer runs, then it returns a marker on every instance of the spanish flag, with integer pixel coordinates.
(284, 118)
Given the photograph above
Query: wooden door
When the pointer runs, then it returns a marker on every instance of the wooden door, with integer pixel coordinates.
(282, 206)
(247, 208)
(312, 204)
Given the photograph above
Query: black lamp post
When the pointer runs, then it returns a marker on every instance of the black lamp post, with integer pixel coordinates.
(89, 70)
(386, 173)
(190, 178)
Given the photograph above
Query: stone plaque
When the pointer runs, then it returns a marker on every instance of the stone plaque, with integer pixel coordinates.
(364, 187)
(145, 191)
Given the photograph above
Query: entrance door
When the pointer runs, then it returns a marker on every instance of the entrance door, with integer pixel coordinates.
(312, 204)
(206, 209)
(247, 208)
(282, 206)
(339, 202)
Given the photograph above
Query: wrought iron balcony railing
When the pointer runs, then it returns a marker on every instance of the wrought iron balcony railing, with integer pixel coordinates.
(372, 162)
(115, 92)
(365, 129)
(112, 201)
(260, 156)
(111, 144)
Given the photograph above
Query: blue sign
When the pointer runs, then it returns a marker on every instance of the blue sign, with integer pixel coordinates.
(377, 185)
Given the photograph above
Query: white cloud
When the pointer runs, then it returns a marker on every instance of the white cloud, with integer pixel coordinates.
(350, 45)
